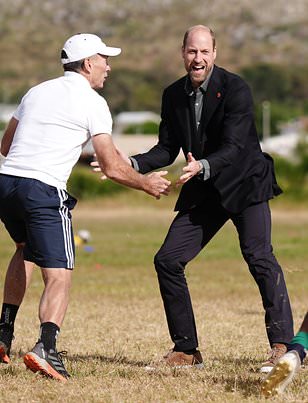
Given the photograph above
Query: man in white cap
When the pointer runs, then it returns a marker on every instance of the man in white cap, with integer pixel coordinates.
(42, 143)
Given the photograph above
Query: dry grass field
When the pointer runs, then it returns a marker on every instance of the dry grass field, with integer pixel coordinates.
(115, 323)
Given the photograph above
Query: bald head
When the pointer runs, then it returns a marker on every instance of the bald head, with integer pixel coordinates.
(200, 28)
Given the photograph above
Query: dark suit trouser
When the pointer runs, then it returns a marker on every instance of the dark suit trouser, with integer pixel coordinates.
(188, 234)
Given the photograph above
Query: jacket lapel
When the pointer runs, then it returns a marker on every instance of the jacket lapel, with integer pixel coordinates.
(185, 109)
(213, 97)
(184, 115)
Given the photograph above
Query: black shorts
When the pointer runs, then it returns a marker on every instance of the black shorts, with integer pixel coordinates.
(39, 215)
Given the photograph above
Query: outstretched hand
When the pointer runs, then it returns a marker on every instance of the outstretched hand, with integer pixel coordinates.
(157, 185)
(154, 183)
(96, 168)
(192, 168)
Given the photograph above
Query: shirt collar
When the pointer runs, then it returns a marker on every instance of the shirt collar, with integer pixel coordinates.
(203, 87)
(77, 76)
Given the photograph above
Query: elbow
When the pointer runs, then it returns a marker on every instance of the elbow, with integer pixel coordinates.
(111, 172)
(4, 151)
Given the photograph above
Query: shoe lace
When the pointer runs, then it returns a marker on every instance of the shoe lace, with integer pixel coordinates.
(61, 355)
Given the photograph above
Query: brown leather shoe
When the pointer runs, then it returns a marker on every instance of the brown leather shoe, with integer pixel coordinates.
(277, 351)
(177, 359)
(180, 359)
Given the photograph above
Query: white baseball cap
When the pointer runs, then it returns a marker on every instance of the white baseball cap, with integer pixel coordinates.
(81, 46)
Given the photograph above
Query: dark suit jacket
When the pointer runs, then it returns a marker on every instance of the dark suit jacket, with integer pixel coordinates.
(240, 173)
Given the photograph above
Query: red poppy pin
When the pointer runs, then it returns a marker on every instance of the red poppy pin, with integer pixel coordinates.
(218, 95)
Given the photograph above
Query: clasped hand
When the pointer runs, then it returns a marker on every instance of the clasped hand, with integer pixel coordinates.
(192, 168)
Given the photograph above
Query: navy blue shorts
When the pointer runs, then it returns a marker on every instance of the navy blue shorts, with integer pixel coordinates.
(39, 215)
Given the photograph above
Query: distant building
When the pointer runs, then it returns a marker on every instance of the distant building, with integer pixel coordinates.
(130, 144)
(283, 145)
(286, 142)
(125, 119)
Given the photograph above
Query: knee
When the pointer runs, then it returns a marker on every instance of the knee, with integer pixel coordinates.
(250, 258)
(167, 264)
(262, 263)
(57, 278)
(158, 262)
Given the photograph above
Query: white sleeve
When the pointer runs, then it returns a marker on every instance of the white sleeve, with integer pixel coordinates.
(18, 112)
(99, 118)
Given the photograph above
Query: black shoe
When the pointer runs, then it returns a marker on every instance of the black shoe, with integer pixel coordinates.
(48, 363)
(6, 337)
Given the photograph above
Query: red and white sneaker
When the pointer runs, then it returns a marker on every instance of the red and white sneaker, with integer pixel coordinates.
(48, 363)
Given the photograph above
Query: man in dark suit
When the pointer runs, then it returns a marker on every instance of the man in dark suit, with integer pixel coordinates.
(209, 115)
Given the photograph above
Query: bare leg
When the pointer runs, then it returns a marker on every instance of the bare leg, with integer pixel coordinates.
(54, 301)
(17, 278)
(44, 357)
(304, 326)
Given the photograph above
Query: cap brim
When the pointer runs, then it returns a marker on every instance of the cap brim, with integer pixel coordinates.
(109, 51)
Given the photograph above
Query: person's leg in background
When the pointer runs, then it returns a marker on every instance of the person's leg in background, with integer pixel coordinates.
(17, 280)
(299, 342)
(289, 364)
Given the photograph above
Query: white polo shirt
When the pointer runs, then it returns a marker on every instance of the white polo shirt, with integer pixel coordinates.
(56, 118)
